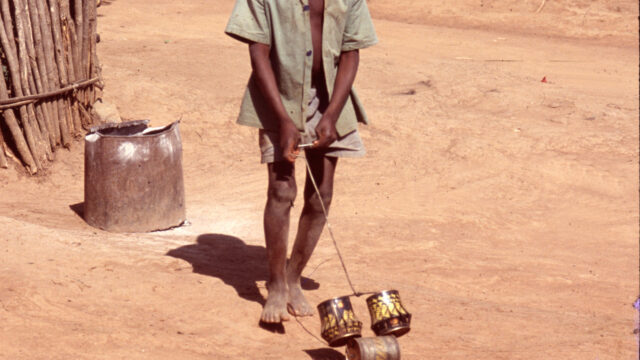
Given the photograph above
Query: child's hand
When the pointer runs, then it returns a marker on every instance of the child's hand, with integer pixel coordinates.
(289, 140)
(326, 132)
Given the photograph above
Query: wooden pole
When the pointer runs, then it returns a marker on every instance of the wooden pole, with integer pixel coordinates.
(78, 6)
(24, 100)
(68, 28)
(16, 133)
(9, 116)
(14, 71)
(76, 43)
(51, 106)
(46, 64)
(79, 20)
(60, 59)
(3, 157)
(54, 80)
(94, 68)
(35, 81)
(85, 55)
(86, 113)
(8, 24)
(35, 117)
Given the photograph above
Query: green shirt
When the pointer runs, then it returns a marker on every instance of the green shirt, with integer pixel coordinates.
(284, 25)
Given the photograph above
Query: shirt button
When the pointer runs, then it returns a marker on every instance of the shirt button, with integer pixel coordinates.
(309, 53)
(305, 8)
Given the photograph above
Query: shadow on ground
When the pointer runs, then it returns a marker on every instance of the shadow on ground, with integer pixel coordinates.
(78, 209)
(325, 354)
(233, 261)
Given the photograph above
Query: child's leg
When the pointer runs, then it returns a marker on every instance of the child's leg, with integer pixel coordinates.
(310, 227)
(280, 197)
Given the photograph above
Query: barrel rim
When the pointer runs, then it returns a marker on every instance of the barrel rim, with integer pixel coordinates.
(156, 132)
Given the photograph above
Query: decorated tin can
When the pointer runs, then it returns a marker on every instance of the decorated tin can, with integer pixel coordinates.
(338, 322)
(373, 348)
(388, 316)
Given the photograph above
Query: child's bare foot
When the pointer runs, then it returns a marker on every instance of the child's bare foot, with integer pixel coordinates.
(298, 303)
(275, 310)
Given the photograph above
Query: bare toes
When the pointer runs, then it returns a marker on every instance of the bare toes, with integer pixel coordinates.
(284, 316)
(298, 305)
(275, 309)
(274, 317)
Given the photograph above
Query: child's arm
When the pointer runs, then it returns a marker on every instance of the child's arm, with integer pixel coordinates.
(266, 80)
(347, 69)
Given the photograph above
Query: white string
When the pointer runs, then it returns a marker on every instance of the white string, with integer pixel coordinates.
(326, 217)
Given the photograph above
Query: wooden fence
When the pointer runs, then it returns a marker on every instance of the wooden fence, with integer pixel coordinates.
(51, 77)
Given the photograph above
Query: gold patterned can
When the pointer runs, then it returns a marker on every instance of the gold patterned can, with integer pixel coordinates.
(388, 316)
(338, 322)
(375, 348)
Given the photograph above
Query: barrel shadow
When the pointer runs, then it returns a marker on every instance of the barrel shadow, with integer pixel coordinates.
(325, 354)
(78, 209)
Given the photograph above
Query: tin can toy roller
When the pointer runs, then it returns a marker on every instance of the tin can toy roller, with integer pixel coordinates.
(373, 348)
(338, 322)
(388, 316)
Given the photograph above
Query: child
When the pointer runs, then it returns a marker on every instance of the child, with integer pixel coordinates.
(304, 55)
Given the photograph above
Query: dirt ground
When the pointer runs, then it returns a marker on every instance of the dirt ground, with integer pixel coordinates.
(503, 208)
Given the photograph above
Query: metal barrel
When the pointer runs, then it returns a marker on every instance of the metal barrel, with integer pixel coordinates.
(338, 322)
(388, 315)
(133, 177)
(373, 348)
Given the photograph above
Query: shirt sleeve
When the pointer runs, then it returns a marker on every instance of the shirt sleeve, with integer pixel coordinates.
(249, 22)
(358, 32)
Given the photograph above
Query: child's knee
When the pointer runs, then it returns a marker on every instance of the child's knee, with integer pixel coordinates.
(282, 192)
(314, 202)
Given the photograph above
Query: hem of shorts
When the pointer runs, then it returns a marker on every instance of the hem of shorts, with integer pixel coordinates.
(255, 122)
(345, 154)
(348, 154)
